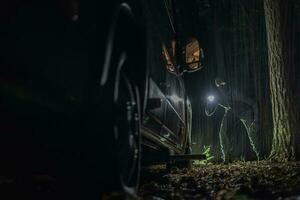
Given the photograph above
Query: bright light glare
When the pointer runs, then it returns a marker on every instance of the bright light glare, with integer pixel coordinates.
(211, 98)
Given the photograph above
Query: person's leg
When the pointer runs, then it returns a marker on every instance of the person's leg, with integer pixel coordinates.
(251, 128)
(224, 141)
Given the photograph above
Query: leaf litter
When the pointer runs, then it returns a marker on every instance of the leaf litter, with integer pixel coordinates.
(237, 180)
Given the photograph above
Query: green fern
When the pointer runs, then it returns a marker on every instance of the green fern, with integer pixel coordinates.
(207, 152)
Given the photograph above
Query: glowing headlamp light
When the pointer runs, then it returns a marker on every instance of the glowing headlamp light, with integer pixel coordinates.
(211, 98)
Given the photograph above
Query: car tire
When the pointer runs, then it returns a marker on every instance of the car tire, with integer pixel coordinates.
(125, 88)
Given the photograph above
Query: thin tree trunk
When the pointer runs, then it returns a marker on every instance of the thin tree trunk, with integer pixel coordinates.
(282, 108)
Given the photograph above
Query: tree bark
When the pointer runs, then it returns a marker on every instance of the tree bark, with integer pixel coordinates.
(282, 105)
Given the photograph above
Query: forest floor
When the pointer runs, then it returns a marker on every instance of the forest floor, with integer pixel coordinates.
(238, 180)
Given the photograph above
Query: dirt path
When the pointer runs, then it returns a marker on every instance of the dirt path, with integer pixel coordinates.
(239, 180)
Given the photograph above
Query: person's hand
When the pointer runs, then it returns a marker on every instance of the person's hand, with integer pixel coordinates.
(210, 108)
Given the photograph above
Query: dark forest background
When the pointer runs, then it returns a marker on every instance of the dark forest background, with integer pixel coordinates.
(233, 36)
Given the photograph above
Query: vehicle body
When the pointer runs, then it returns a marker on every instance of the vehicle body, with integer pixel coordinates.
(60, 84)
(166, 123)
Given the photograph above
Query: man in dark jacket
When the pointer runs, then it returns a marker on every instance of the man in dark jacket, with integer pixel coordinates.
(243, 108)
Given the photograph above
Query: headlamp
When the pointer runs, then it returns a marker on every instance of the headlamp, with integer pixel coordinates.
(211, 98)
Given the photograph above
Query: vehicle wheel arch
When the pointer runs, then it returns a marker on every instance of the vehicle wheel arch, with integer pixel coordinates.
(131, 10)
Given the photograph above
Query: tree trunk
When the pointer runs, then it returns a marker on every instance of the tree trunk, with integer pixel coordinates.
(282, 105)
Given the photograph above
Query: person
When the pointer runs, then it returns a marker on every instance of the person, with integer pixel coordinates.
(244, 109)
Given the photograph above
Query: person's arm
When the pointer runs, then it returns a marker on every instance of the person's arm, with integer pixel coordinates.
(210, 108)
